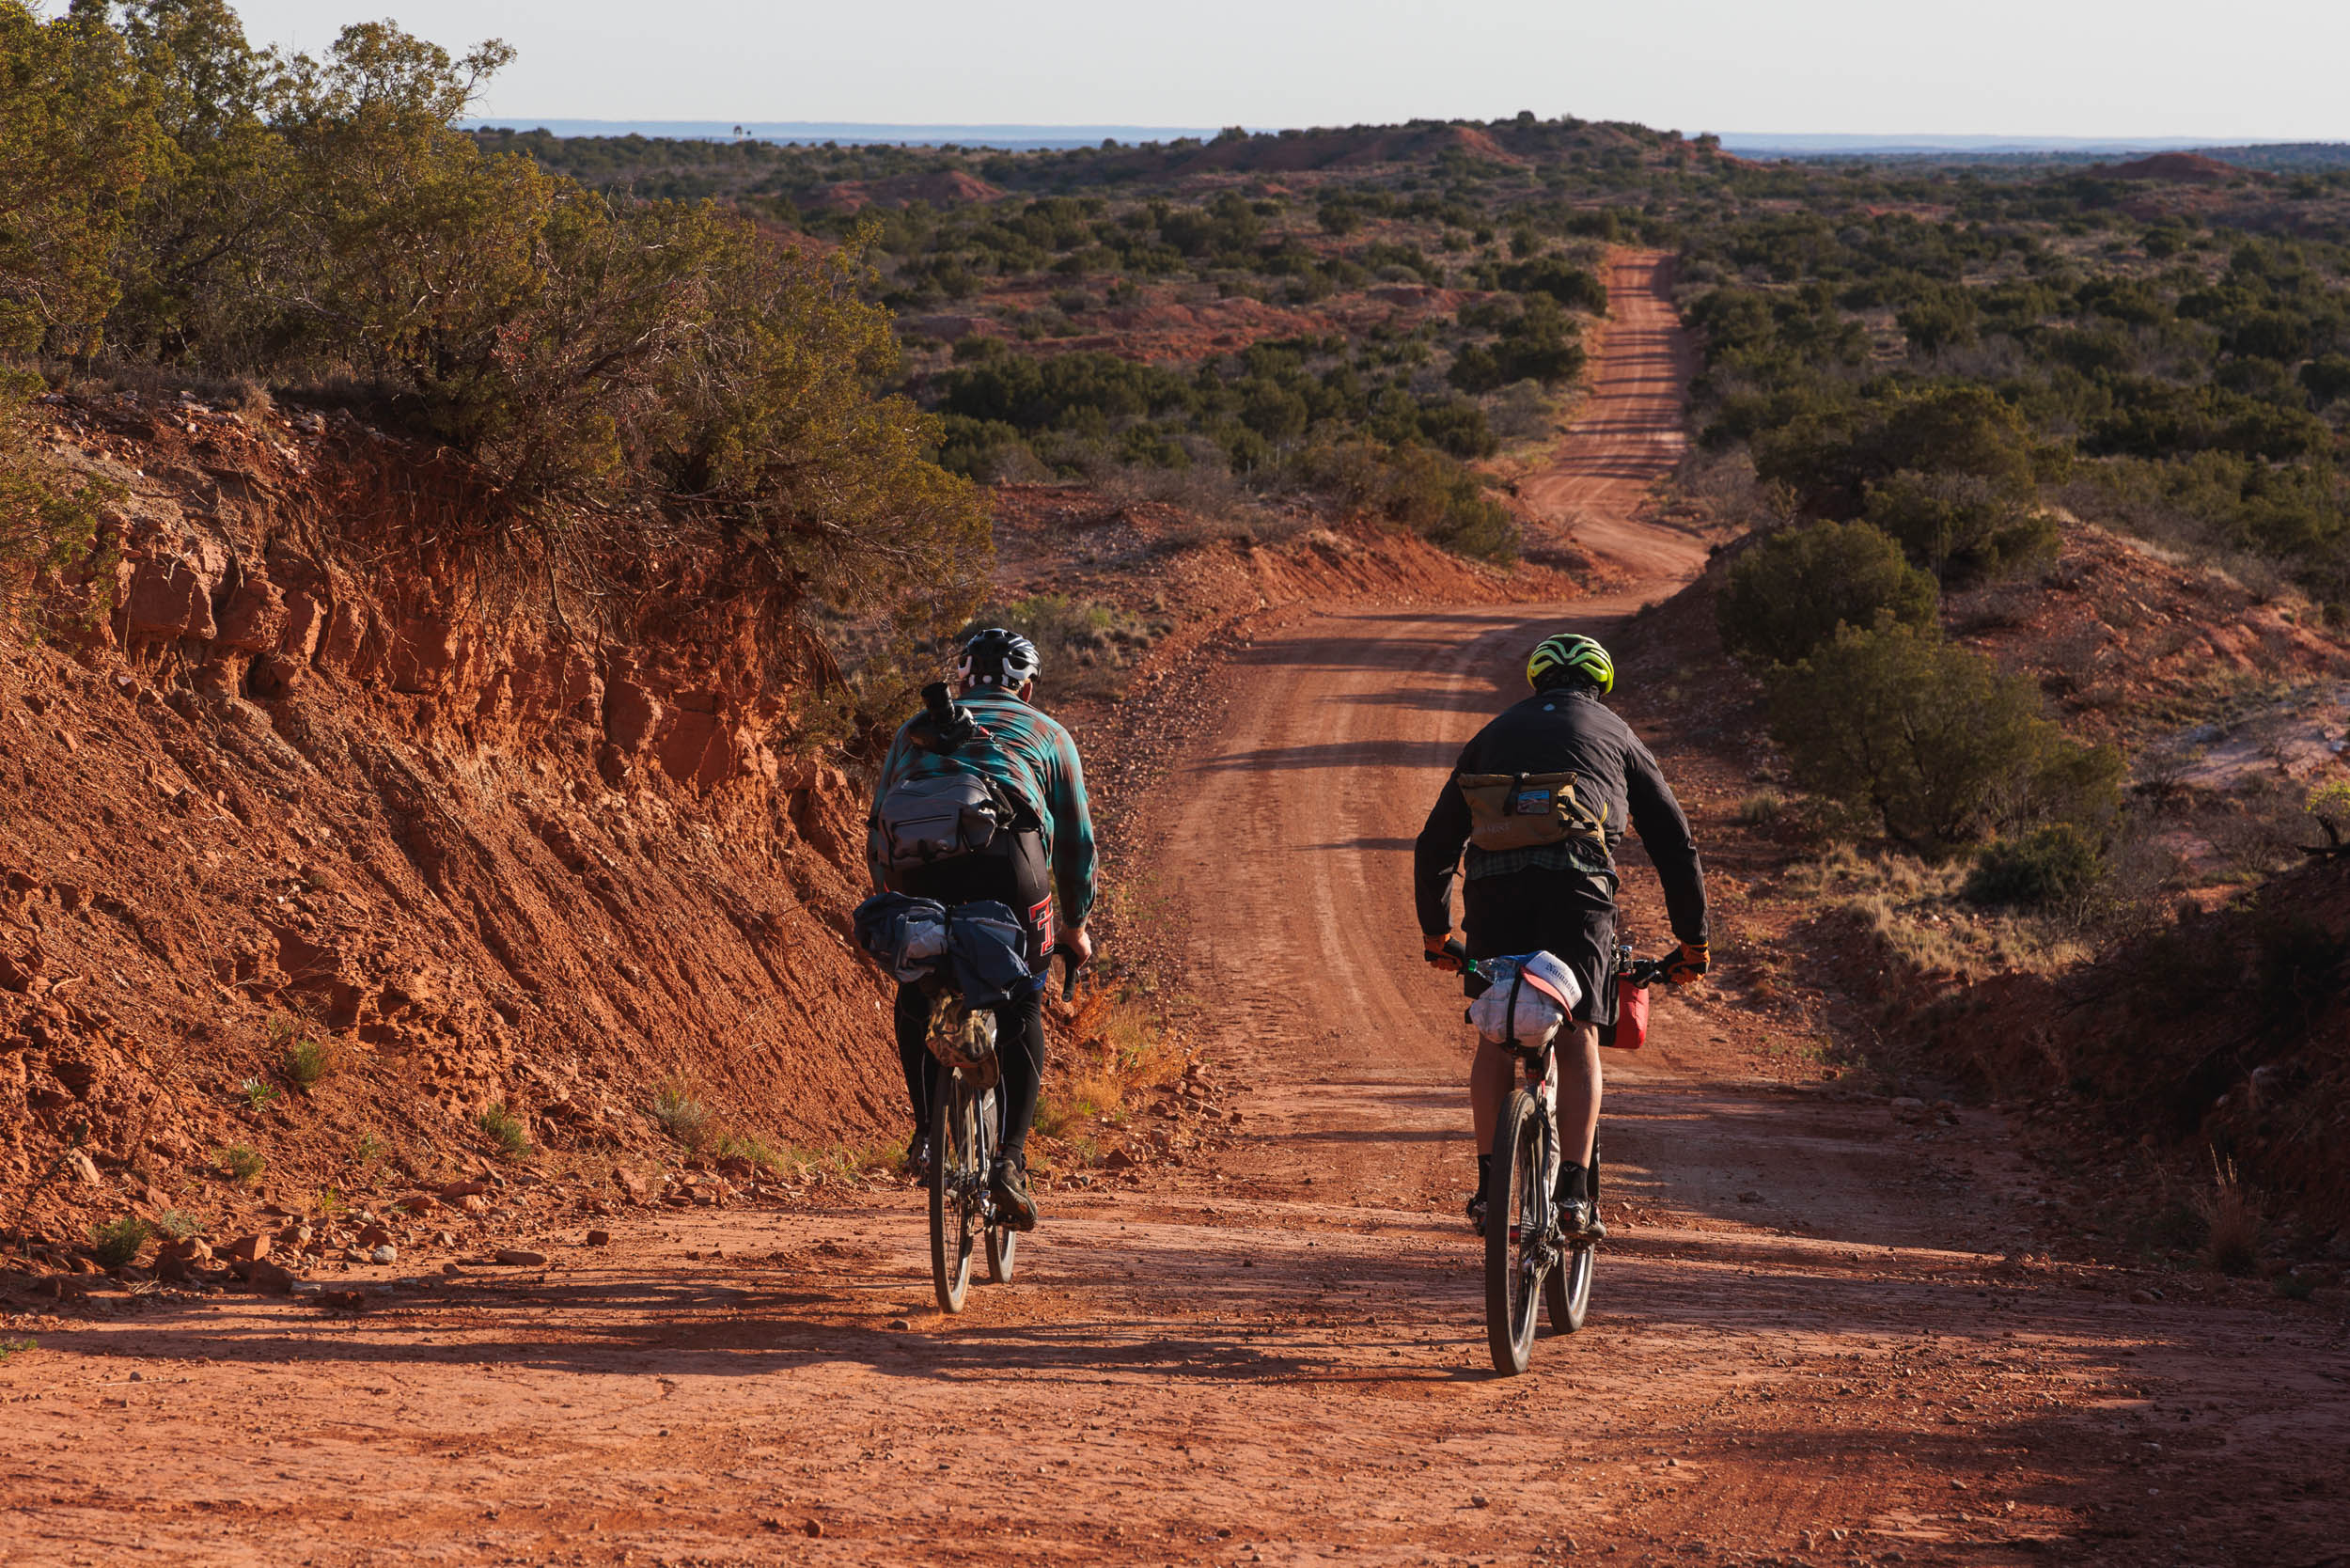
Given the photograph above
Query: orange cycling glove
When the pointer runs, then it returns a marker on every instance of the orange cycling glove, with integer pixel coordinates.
(1687, 966)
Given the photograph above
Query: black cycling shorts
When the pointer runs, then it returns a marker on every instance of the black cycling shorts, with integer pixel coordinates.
(1539, 910)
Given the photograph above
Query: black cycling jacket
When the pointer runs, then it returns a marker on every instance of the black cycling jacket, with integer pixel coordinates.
(1558, 732)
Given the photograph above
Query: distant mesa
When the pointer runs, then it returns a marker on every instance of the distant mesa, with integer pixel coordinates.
(2178, 168)
(1294, 152)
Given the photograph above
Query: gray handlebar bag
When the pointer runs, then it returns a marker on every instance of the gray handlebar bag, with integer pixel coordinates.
(940, 816)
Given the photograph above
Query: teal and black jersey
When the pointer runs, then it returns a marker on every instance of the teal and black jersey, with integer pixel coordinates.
(1030, 754)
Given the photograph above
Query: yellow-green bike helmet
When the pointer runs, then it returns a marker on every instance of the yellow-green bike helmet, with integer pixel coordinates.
(1570, 652)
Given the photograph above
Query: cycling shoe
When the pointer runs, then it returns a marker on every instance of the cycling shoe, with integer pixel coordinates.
(1008, 1188)
(1578, 1220)
(1477, 1214)
(918, 1160)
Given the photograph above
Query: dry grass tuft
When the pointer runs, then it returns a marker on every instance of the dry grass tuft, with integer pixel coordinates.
(1124, 1050)
(2230, 1212)
(1916, 909)
(678, 1113)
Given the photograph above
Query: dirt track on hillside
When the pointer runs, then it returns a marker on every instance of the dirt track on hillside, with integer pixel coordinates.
(1820, 1336)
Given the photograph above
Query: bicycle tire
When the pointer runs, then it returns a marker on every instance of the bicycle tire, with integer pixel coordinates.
(955, 1182)
(1003, 1242)
(1567, 1290)
(1567, 1293)
(1515, 1178)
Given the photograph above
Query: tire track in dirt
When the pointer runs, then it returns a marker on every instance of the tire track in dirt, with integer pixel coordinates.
(1805, 1346)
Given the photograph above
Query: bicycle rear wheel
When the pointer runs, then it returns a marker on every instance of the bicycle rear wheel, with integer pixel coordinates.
(1003, 1242)
(958, 1178)
(1567, 1293)
(1515, 1223)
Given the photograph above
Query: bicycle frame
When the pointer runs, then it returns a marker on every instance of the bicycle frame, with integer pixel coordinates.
(1539, 1070)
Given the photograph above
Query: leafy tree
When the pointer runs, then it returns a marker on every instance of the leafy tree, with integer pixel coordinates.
(214, 210)
(77, 140)
(1934, 740)
(1793, 590)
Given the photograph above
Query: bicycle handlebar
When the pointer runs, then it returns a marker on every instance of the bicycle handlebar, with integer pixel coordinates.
(1646, 972)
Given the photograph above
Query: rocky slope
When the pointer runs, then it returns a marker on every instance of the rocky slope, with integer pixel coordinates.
(309, 767)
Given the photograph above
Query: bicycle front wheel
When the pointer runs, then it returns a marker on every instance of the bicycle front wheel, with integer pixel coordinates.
(1517, 1223)
(1568, 1290)
(958, 1179)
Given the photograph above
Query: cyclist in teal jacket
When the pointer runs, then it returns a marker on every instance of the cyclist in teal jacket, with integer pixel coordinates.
(1047, 855)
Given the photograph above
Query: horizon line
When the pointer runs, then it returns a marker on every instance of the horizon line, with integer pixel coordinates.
(908, 131)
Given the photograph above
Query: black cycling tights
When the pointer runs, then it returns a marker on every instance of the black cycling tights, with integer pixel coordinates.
(1019, 1043)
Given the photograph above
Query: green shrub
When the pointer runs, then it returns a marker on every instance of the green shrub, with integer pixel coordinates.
(2326, 378)
(1830, 454)
(1789, 593)
(1576, 288)
(1934, 740)
(1536, 343)
(506, 1130)
(242, 1163)
(48, 517)
(118, 1241)
(1962, 527)
(1421, 489)
(2053, 865)
(301, 1061)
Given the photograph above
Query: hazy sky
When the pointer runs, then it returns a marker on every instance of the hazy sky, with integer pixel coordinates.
(2246, 70)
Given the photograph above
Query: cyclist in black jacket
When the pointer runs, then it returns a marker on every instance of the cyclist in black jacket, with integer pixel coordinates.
(1559, 895)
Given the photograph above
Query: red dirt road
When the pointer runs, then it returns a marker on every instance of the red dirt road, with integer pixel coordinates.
(1805, 1346)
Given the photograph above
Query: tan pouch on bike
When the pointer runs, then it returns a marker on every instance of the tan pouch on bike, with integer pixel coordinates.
(1523, 811)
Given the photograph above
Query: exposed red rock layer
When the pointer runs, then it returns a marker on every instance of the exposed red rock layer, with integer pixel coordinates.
(309, 767)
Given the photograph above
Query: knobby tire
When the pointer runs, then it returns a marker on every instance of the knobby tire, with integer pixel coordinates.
(1567, 1293)
(954, 1189)
(1518, 1209)
(1003, 1242)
